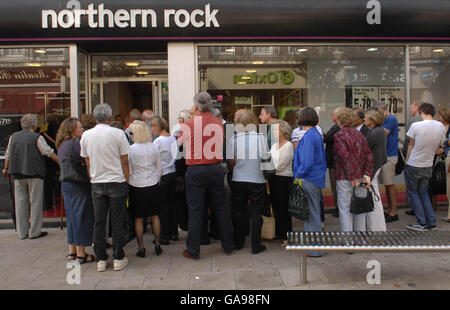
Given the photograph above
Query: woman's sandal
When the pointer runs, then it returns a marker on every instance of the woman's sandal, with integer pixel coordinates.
(83, 260)
(71, 257)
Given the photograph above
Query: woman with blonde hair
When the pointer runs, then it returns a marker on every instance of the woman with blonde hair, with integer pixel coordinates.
(145, 173)
(76, 190)
(166, 146)
(246, 150)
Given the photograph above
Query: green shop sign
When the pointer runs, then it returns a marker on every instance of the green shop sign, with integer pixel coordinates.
(285, 76)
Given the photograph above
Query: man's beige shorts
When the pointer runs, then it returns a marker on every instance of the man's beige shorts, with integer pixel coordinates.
(387, 173)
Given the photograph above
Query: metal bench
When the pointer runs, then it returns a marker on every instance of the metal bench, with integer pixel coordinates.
(392, 241)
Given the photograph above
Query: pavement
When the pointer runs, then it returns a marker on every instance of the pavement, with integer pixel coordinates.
(40, 264)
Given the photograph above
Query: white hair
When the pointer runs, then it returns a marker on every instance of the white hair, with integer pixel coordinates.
(28, 121)
(185, 115)
(102, 113)
(203, 102)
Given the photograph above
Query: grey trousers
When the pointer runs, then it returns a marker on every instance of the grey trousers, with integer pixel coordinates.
(29, 195)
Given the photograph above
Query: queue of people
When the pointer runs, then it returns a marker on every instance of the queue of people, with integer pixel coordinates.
(172, 178)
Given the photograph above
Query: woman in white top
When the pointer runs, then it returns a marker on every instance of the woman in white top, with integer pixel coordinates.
(280, 185)
(145, 172)
(167, 147)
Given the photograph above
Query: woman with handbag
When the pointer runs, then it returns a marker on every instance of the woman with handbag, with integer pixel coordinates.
(282, 154)
(76, 189)
(376, 138)
(310, 165)
(353, 164)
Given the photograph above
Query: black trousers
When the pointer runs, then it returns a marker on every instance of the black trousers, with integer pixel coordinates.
(112, 198)
(280, 188)
(241, 192)
(205, 182)
(168, 207)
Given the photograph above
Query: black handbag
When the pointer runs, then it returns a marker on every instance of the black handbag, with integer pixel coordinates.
(72, 169)
(298, 203)
(438, 182)
(364, 204)
(400, 163)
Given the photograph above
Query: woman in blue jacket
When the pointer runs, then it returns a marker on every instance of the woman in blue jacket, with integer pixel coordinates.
(310, 165)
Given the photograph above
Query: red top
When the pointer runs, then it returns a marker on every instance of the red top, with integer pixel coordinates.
(202, 138)
(352, 155)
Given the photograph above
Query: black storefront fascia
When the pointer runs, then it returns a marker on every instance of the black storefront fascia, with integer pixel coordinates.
(76, 21)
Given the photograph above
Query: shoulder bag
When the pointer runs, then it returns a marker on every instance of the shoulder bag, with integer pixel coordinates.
(72, 169)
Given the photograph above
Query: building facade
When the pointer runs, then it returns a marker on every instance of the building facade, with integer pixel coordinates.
(61, 58)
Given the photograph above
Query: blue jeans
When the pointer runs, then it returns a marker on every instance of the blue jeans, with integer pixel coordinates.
(79, 213)
(314, 223)
(417, 182)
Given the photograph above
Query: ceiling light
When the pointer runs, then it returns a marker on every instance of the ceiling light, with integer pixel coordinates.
(132, 64)
(230, 50)
(250, 71)
(142, 72)
(258, 62)
(40, 51)
(301, 50)
(245, 78)
(372, 49)
(438, 50)
(34, 64)
(242, 83)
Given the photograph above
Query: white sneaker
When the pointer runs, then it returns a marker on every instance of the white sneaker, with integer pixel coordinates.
(120, 264)
(101, 265)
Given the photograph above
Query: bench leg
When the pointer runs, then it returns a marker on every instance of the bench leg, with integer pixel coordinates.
(303, 275)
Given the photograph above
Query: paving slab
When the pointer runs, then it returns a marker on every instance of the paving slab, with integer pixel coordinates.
(257, 279)
(212, 281)
(177, 281)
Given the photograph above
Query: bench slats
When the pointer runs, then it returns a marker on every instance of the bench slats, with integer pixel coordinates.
(365, 241)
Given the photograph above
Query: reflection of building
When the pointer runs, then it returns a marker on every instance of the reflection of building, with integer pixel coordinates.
(278, 52)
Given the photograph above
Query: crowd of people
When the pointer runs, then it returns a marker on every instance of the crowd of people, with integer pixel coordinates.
(209, 170)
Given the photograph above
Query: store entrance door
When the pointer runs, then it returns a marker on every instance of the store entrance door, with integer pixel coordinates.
(123, 96)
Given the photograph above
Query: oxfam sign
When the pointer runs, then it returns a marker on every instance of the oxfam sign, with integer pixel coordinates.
(286, 77)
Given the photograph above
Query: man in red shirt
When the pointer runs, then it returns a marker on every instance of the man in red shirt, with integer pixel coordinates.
(202, 138)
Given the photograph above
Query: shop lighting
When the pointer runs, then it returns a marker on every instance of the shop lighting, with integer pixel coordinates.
(230, 50)
(40, 51)
(245, 78)
(242, 83)
(438, 50)
(302, 50)
(372, 49)
(34, 64)
(258, 62)
(132, 64)
(142, 72)
(250, 71)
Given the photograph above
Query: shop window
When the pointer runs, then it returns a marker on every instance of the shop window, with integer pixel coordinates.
(430, 74)
(293, 76)
(32, 80)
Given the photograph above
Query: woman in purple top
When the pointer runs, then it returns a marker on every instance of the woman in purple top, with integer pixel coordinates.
(77, 195)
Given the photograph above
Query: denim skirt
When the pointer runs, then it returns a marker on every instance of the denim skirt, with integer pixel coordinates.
(79, 213)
